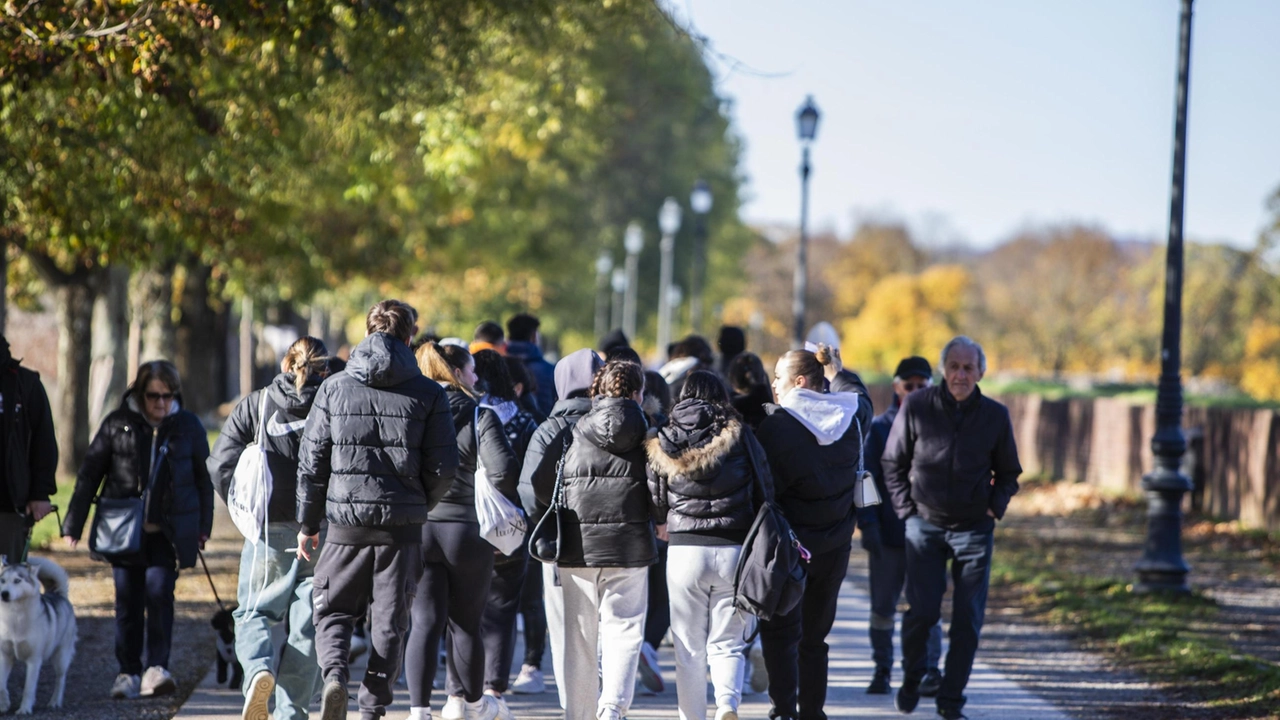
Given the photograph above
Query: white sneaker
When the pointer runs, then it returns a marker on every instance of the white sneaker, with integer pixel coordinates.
(529, 681)
(454, 708)
(157, 681)
(419, 713)
(259, 696)
(608, 712)
(650, 671)
(125, 687)
(504, 712)
(726, 713)
(486, 708)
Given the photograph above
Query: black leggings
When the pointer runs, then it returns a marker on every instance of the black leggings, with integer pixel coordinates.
(498, 628)
(535, 614)
(457, 567)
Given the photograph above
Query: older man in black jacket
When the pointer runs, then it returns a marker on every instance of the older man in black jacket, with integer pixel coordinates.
(379, 451)
(951, 467)
(28, 454)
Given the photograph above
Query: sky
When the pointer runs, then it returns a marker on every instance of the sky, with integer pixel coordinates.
(971, 121)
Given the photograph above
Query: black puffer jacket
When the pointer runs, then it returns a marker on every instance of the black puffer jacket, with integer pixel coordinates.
(951, 461)
(459, 504)
(379, 450)
(701, 476)
(119, 462)
(286, 413)
(545, 448)
(608, 520)
(814, 483)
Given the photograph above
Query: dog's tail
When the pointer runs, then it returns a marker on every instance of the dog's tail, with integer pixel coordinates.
(52, 576)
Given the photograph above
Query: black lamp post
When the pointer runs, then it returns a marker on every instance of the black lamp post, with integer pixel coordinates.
(700, 202)
(1162, 566)
(807, 129)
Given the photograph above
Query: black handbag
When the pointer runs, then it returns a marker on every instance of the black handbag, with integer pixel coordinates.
(117, 522)
(544, 541)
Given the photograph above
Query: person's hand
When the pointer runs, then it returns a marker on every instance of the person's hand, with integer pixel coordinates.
(830, 371)
(37, 509)
(869, 537)
(306, 541)
(991, 513)
(661, 532)
(203, 539)
(72, 542)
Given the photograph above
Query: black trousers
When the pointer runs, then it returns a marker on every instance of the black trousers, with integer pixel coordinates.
(144, 605)
(452, 593)
(795, 645)
(350, 581)
(658, 619)
(497, 626)
(535, 614)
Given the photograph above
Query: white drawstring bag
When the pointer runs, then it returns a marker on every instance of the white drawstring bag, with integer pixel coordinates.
(502, 524)
(250, 491)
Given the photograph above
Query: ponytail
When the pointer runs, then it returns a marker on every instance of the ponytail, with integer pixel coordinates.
(305, 356)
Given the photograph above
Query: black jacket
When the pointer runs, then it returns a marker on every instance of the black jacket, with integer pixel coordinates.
(951, 461)
(813, 483)
(379, 450)
(30, 447)
(119, 463)
(608, 520)
(893, 531)
(702, 472)
(545, 448)
(286, 413)
(500, 464)
(751, 405)
(543, 372)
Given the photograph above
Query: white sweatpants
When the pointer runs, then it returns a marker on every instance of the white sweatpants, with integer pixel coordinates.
(553, 602)
(603, 607)
(705, 626)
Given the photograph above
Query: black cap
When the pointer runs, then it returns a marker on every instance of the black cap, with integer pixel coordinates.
(914, 366)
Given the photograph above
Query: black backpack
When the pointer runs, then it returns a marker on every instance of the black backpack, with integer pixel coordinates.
(769, 581)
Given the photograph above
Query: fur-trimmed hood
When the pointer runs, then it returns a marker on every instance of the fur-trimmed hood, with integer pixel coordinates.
(694, 460)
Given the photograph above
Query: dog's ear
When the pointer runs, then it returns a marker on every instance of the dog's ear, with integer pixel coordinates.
(33, 571)
(4, 560)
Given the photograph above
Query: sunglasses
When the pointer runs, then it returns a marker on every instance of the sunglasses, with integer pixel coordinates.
(152, 397)
(913, 386)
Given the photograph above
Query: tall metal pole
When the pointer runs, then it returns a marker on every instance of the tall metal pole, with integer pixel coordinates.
(801, 285)
(1162, 566)
(604, 264)
(696, 272)
(667, 246)
(629, 300)
(619, 282)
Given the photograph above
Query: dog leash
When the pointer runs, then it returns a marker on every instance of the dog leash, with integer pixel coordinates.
(207, 574)
(31, 524)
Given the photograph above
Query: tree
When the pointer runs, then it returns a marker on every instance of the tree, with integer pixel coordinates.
(906, 314)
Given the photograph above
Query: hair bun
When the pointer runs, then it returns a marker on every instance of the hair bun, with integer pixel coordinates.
(823, 355)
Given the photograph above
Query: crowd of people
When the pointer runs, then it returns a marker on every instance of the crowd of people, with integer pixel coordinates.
(652, 480)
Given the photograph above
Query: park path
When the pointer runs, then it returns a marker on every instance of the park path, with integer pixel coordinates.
(992, 695)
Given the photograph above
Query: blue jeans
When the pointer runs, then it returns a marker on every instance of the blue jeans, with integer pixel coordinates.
(275, 587)
(888, 573)
(144, 605)
(928, 549)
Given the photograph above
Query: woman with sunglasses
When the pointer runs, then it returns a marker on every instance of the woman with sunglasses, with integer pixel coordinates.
(150, 448)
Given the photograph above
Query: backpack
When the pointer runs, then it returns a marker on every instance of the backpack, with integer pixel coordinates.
(250, 491)
(770, 577)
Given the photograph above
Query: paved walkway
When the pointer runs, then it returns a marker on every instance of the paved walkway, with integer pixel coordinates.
(991, 695)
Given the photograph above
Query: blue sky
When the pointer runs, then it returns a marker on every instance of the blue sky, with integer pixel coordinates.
(972, 120)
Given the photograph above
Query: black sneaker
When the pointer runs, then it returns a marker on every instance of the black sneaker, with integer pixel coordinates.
(907, 698)
(930, 684)
(333, 701)
(951, 714)
(879, 682)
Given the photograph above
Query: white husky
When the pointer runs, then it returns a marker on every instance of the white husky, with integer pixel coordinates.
(35, 628)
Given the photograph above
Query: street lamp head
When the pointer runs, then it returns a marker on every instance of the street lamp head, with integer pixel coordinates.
(675, 295)
(807, 120)
(619, 280)
(700, 198)
(604, 263)
(669, 217)
(633, 239)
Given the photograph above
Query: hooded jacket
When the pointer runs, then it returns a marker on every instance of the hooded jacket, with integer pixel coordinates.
(951, 461)
(379, 450)
(286, 416)
(813, 446)
(702, 476)
(542, 371)
(26, 426)
(500, 464)
(608, 520)
(119, 463)
(573, 376)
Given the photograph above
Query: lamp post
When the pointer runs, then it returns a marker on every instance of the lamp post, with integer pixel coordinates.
(669, 223)
(807, 129)
(1162, 566)
(633, 241)
(604, 264)
(619, 283)
(700, 203)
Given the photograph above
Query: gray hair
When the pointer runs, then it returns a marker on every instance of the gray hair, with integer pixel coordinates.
(965, 341)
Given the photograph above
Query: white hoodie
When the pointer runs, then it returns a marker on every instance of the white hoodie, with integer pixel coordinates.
(826, 415)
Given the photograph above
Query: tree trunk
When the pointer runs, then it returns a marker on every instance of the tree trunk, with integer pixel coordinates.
(200, 343)
(109, 373)
(71, 406)
(151, 297)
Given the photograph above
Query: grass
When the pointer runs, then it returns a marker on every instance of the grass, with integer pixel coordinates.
(1167, 638)
(47, 530)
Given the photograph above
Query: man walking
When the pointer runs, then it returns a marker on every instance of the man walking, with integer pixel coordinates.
(28, 454)
(951, 467)
(883, 537)
(378, 452)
